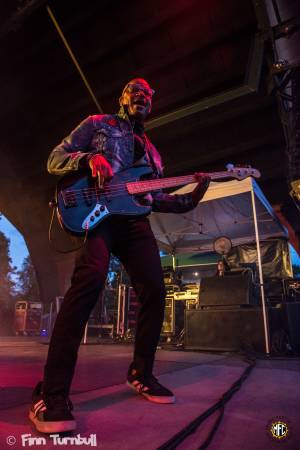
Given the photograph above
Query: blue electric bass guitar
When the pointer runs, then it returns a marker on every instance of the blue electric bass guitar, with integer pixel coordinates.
(82, 204)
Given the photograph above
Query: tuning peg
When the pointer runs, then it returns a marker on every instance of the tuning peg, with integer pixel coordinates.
(229, 166)
(246, 166)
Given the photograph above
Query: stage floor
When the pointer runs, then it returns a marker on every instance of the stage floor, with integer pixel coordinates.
(120, 419)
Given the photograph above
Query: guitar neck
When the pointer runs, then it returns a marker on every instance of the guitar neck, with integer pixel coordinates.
(139, 187)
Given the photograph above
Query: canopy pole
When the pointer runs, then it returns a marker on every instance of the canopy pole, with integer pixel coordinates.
(261, 281)
(173, 262)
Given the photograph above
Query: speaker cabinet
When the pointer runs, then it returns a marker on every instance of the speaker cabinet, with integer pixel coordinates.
(292, 324)
(292, 289)
(228, 329)
(227, 291)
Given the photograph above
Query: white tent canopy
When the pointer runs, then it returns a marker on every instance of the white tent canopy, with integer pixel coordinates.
(236, 209)
(225, 210)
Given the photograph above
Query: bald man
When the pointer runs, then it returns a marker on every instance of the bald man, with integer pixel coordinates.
(104, 145)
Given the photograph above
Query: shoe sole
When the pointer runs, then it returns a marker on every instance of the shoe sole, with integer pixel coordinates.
(151, 398)
(52, 427)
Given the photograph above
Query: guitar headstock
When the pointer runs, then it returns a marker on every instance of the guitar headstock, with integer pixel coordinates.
(240, 173)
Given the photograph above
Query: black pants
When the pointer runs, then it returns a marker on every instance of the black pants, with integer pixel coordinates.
(132, 241)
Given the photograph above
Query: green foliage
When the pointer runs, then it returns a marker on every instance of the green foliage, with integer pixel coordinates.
(28, 286)
(7, 285)
(296, 271)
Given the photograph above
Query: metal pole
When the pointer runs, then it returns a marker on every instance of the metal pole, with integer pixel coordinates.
(50, 319)
(276, 11)
(173, 262)
(261, 281)
(121, 288)
(69, 50)
(85, 333)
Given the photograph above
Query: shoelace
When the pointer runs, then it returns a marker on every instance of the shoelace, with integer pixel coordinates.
(39, 407)
(57, 402)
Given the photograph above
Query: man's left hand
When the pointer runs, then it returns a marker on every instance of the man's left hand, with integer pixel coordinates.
(203, 180)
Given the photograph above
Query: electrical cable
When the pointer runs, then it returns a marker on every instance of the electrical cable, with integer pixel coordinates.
(50, 237)
(213, 430)
(179, 437)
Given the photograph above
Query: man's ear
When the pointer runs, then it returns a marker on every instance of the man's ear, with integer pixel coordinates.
(122, 101)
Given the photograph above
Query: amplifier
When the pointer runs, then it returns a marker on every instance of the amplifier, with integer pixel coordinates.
(274, 289)
(292, 289)
(168, 326)
(227, 290)
(292, 324)
(169, 277)
(229, 329)
(173, 316)
(186, 295)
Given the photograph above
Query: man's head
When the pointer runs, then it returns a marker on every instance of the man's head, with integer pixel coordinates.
(136, 98)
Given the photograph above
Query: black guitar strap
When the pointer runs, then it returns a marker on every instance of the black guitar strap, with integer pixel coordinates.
(151, 159)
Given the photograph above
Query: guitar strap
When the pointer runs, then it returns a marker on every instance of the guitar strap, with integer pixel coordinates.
(150, 156)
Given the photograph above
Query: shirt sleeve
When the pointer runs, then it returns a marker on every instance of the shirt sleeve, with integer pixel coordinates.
(167, 203)
(71, 154)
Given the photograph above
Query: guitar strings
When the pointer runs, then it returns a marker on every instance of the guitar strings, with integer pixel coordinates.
(120, 187)
(87, 195)
(112, 190)
(124, 184)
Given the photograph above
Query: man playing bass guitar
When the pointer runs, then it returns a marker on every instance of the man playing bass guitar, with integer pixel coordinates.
(104, 145)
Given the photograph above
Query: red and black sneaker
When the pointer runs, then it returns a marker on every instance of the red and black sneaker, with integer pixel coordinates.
(51, 414)
(150, 388)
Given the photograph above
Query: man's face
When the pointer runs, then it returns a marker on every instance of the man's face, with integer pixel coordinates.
(137, 98)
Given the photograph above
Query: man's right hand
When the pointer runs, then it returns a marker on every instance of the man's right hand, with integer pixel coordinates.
(100, 168)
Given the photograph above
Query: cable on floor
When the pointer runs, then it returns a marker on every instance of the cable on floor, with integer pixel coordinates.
(179, 437)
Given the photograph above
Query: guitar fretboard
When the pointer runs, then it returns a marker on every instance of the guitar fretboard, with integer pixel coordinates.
(139, 187)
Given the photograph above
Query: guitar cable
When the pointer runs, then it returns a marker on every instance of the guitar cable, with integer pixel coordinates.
(53, 205)
(179, 437)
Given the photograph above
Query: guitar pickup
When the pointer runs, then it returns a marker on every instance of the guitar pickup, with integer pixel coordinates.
(69, 198)
(88, 196)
